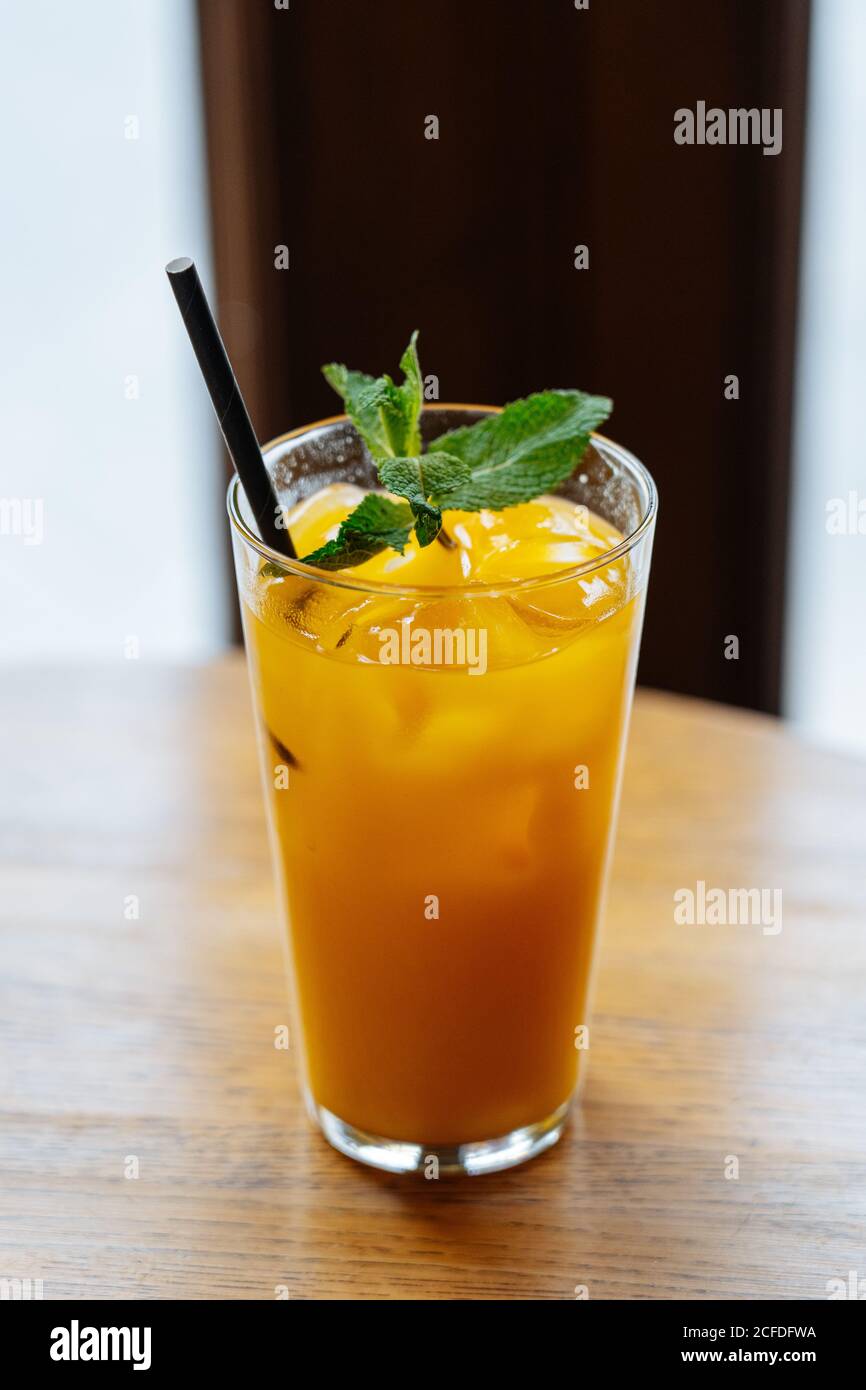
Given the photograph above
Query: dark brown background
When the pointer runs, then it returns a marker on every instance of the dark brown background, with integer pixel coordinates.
(556, 128)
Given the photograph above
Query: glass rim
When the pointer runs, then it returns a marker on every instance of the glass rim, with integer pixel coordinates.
(346, 579)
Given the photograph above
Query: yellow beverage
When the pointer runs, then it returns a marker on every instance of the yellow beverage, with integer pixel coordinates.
(442, 735)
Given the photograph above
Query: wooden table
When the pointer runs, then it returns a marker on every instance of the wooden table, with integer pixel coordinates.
(147, 1044)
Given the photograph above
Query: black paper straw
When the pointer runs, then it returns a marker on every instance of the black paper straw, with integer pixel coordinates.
(228, 403)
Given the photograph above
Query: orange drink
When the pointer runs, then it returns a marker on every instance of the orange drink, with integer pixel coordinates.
(442, 735)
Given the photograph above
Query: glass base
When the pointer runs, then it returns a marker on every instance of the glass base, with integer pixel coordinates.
(481, 1156)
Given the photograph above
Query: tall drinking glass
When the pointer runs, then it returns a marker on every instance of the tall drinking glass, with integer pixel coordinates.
(442, 827)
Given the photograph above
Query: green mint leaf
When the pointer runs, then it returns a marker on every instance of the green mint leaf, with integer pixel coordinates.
(413, 392)
(531, 447)
(270, 570)
(425, 477)
(428, 523)
(374, 525)
(358, 393)
(421, 481)
(384, 414)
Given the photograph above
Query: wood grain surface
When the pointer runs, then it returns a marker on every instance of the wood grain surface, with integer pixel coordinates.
(151, 1041)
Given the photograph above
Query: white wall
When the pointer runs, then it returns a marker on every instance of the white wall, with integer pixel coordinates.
(825, 685)
(131, 489)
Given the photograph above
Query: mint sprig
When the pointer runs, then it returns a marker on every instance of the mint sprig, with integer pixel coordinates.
(385, 415)
(376, 524)
(424, 481)
(529, 448)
